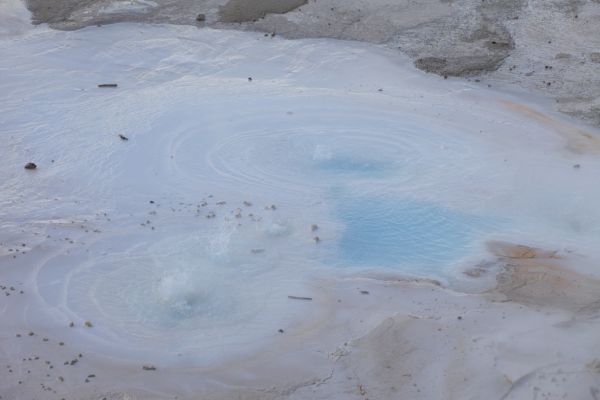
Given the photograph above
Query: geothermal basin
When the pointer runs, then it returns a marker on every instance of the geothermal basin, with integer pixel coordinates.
(272, 209)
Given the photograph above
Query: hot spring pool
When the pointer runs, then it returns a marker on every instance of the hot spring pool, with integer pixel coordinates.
(232, 194)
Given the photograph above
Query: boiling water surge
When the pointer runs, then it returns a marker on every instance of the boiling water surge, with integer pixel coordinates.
(254, 166)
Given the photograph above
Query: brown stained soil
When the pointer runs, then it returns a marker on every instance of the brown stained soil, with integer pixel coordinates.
(539, 277)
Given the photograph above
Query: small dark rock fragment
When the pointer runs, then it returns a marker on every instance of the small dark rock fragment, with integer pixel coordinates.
(123, 137)
(149, 367)
(201, 18)
(30, 165)
(107, 85)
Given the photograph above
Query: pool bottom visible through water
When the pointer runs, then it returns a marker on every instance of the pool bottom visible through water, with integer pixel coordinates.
(408, 235)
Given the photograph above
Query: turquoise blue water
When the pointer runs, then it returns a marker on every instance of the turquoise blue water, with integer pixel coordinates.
(347, 165)
(412, 235)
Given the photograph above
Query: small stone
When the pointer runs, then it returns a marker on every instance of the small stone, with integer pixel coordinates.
(123, 137)
(72, 324)
(149, 367)
(577, 166)
(30, 165)
(281, 331)
(88, 324)
(314, 227)
(201, 18)
(317, 239)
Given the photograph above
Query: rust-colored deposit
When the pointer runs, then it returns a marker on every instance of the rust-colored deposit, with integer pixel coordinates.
(538, 277)
(578, 140)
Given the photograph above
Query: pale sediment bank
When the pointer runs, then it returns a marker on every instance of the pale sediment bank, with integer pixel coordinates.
(535, 333)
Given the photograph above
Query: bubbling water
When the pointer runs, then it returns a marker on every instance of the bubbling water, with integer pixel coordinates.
(180, 293)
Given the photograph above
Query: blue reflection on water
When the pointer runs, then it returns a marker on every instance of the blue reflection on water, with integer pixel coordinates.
(400, 233)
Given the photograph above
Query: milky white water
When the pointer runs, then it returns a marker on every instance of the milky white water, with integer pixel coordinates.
(188, 237)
